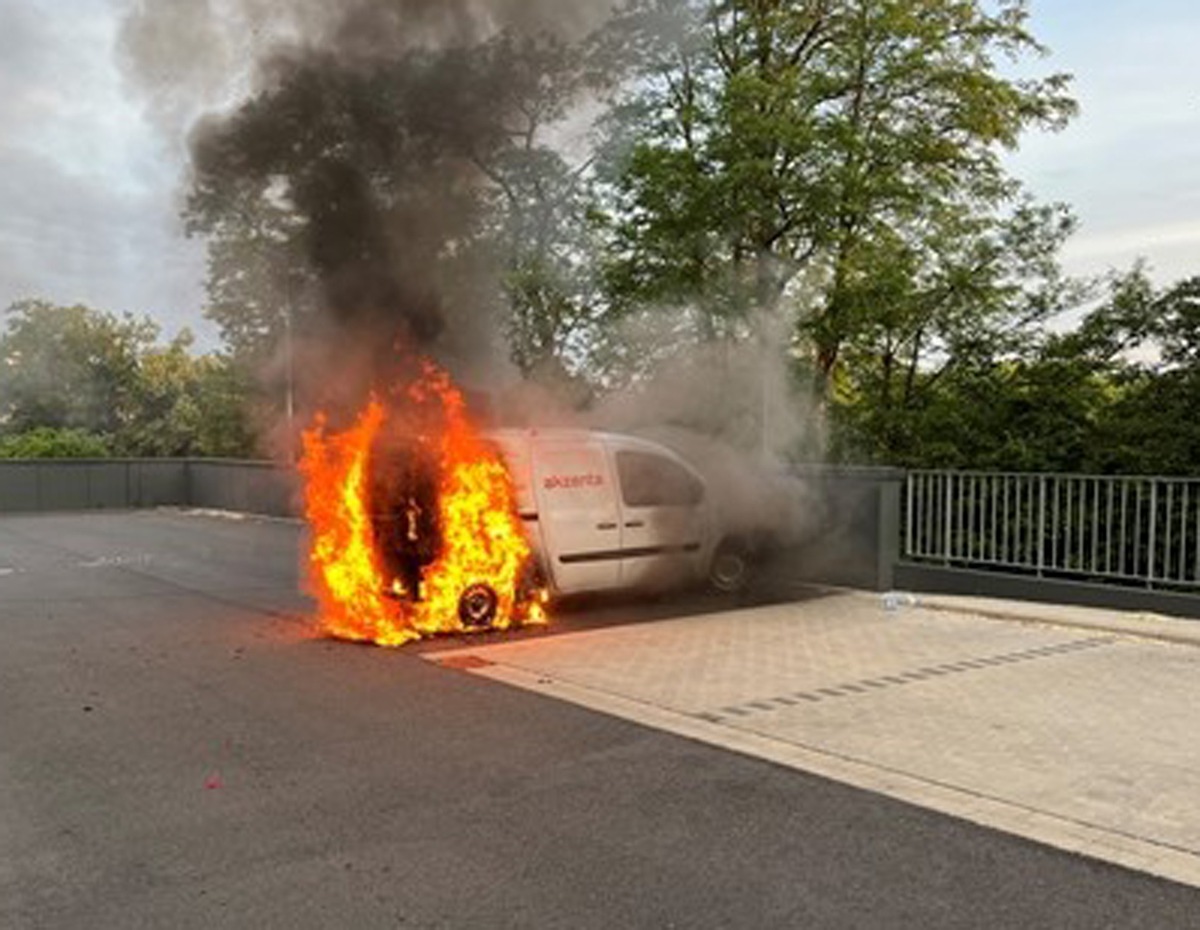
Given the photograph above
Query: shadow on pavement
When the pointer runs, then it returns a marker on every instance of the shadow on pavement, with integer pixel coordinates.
(595, 612)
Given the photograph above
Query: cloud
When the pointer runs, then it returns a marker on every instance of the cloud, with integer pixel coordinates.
(65, 238)
(1130, 164)
(88, 190)
(1172, 249)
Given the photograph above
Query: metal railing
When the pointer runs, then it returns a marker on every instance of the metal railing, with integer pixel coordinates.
(1128, 529)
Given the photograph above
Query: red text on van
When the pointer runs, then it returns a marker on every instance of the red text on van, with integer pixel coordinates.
(588, 480)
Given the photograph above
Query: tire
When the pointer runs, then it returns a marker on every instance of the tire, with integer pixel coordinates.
(730, 569)
(477, 606)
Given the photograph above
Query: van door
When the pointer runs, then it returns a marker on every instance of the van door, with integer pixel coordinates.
(663, 519)
(577, 509)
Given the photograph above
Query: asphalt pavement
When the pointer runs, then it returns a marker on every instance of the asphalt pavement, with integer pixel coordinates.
(178, 749)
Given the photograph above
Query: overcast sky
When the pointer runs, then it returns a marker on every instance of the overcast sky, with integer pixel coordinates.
(1129, 164)
(89, 190)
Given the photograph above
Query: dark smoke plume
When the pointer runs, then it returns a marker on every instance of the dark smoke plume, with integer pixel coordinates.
(356, 149)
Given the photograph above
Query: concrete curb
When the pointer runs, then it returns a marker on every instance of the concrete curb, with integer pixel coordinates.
(1139, 624)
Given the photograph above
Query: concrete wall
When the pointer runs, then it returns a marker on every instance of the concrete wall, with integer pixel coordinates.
(86, 484)
(91, 484)
(244, 486)
(851, 541)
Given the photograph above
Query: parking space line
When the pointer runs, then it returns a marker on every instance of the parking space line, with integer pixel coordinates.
(916, 676)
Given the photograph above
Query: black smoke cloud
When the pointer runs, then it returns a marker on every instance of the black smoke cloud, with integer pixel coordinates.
(368, 122)
(378, 178)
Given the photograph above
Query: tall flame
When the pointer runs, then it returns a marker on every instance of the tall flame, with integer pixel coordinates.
(480, 535)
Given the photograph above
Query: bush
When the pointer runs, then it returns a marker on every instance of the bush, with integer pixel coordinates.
(46, 442)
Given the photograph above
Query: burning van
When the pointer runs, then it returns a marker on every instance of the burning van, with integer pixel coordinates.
(420, 523)
(600, 511)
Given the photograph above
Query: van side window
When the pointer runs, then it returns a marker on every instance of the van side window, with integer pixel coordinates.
(649, 480)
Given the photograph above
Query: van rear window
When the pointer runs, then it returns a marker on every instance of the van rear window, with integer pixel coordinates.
(649, 480)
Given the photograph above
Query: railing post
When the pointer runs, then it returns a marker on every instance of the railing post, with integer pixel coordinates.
(1153, 540)
(908, 514)
(1041, 543)
(947, 477)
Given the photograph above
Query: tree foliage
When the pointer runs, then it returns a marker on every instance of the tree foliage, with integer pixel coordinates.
(839, 160)
(76, 381)
(1112, 395)
(69, 367)
(47, 442)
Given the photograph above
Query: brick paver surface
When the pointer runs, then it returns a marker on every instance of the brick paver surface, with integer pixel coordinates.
(1075, 735)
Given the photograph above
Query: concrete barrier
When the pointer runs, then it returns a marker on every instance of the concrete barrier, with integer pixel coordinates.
(87, 484)
(30, 485)
(853, 540)
(245, 486)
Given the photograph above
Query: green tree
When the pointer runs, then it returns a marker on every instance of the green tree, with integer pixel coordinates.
(187, 405)
(69, 367)
(837, 162)
(79, 382)
(536, 222)
(257, 280)
(229, 424)
(1151, 426)
(1113, 395)
(1029, 414)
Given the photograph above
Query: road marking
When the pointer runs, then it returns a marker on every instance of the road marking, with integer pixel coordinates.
(116, 561)
(869, 685)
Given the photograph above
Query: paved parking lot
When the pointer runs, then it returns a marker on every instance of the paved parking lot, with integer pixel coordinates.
(177, 749)
(1060, 725)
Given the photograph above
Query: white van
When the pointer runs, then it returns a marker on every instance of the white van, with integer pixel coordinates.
(605, 511)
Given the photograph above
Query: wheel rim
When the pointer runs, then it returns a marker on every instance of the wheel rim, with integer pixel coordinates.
(477, 605)
(728, 571)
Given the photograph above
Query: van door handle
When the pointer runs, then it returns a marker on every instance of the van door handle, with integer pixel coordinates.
(636, 523)
(606, 526)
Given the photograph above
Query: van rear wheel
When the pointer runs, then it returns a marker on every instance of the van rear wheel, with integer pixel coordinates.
(730, 568)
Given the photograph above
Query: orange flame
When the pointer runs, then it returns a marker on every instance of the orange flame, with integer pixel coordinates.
(481, 540)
